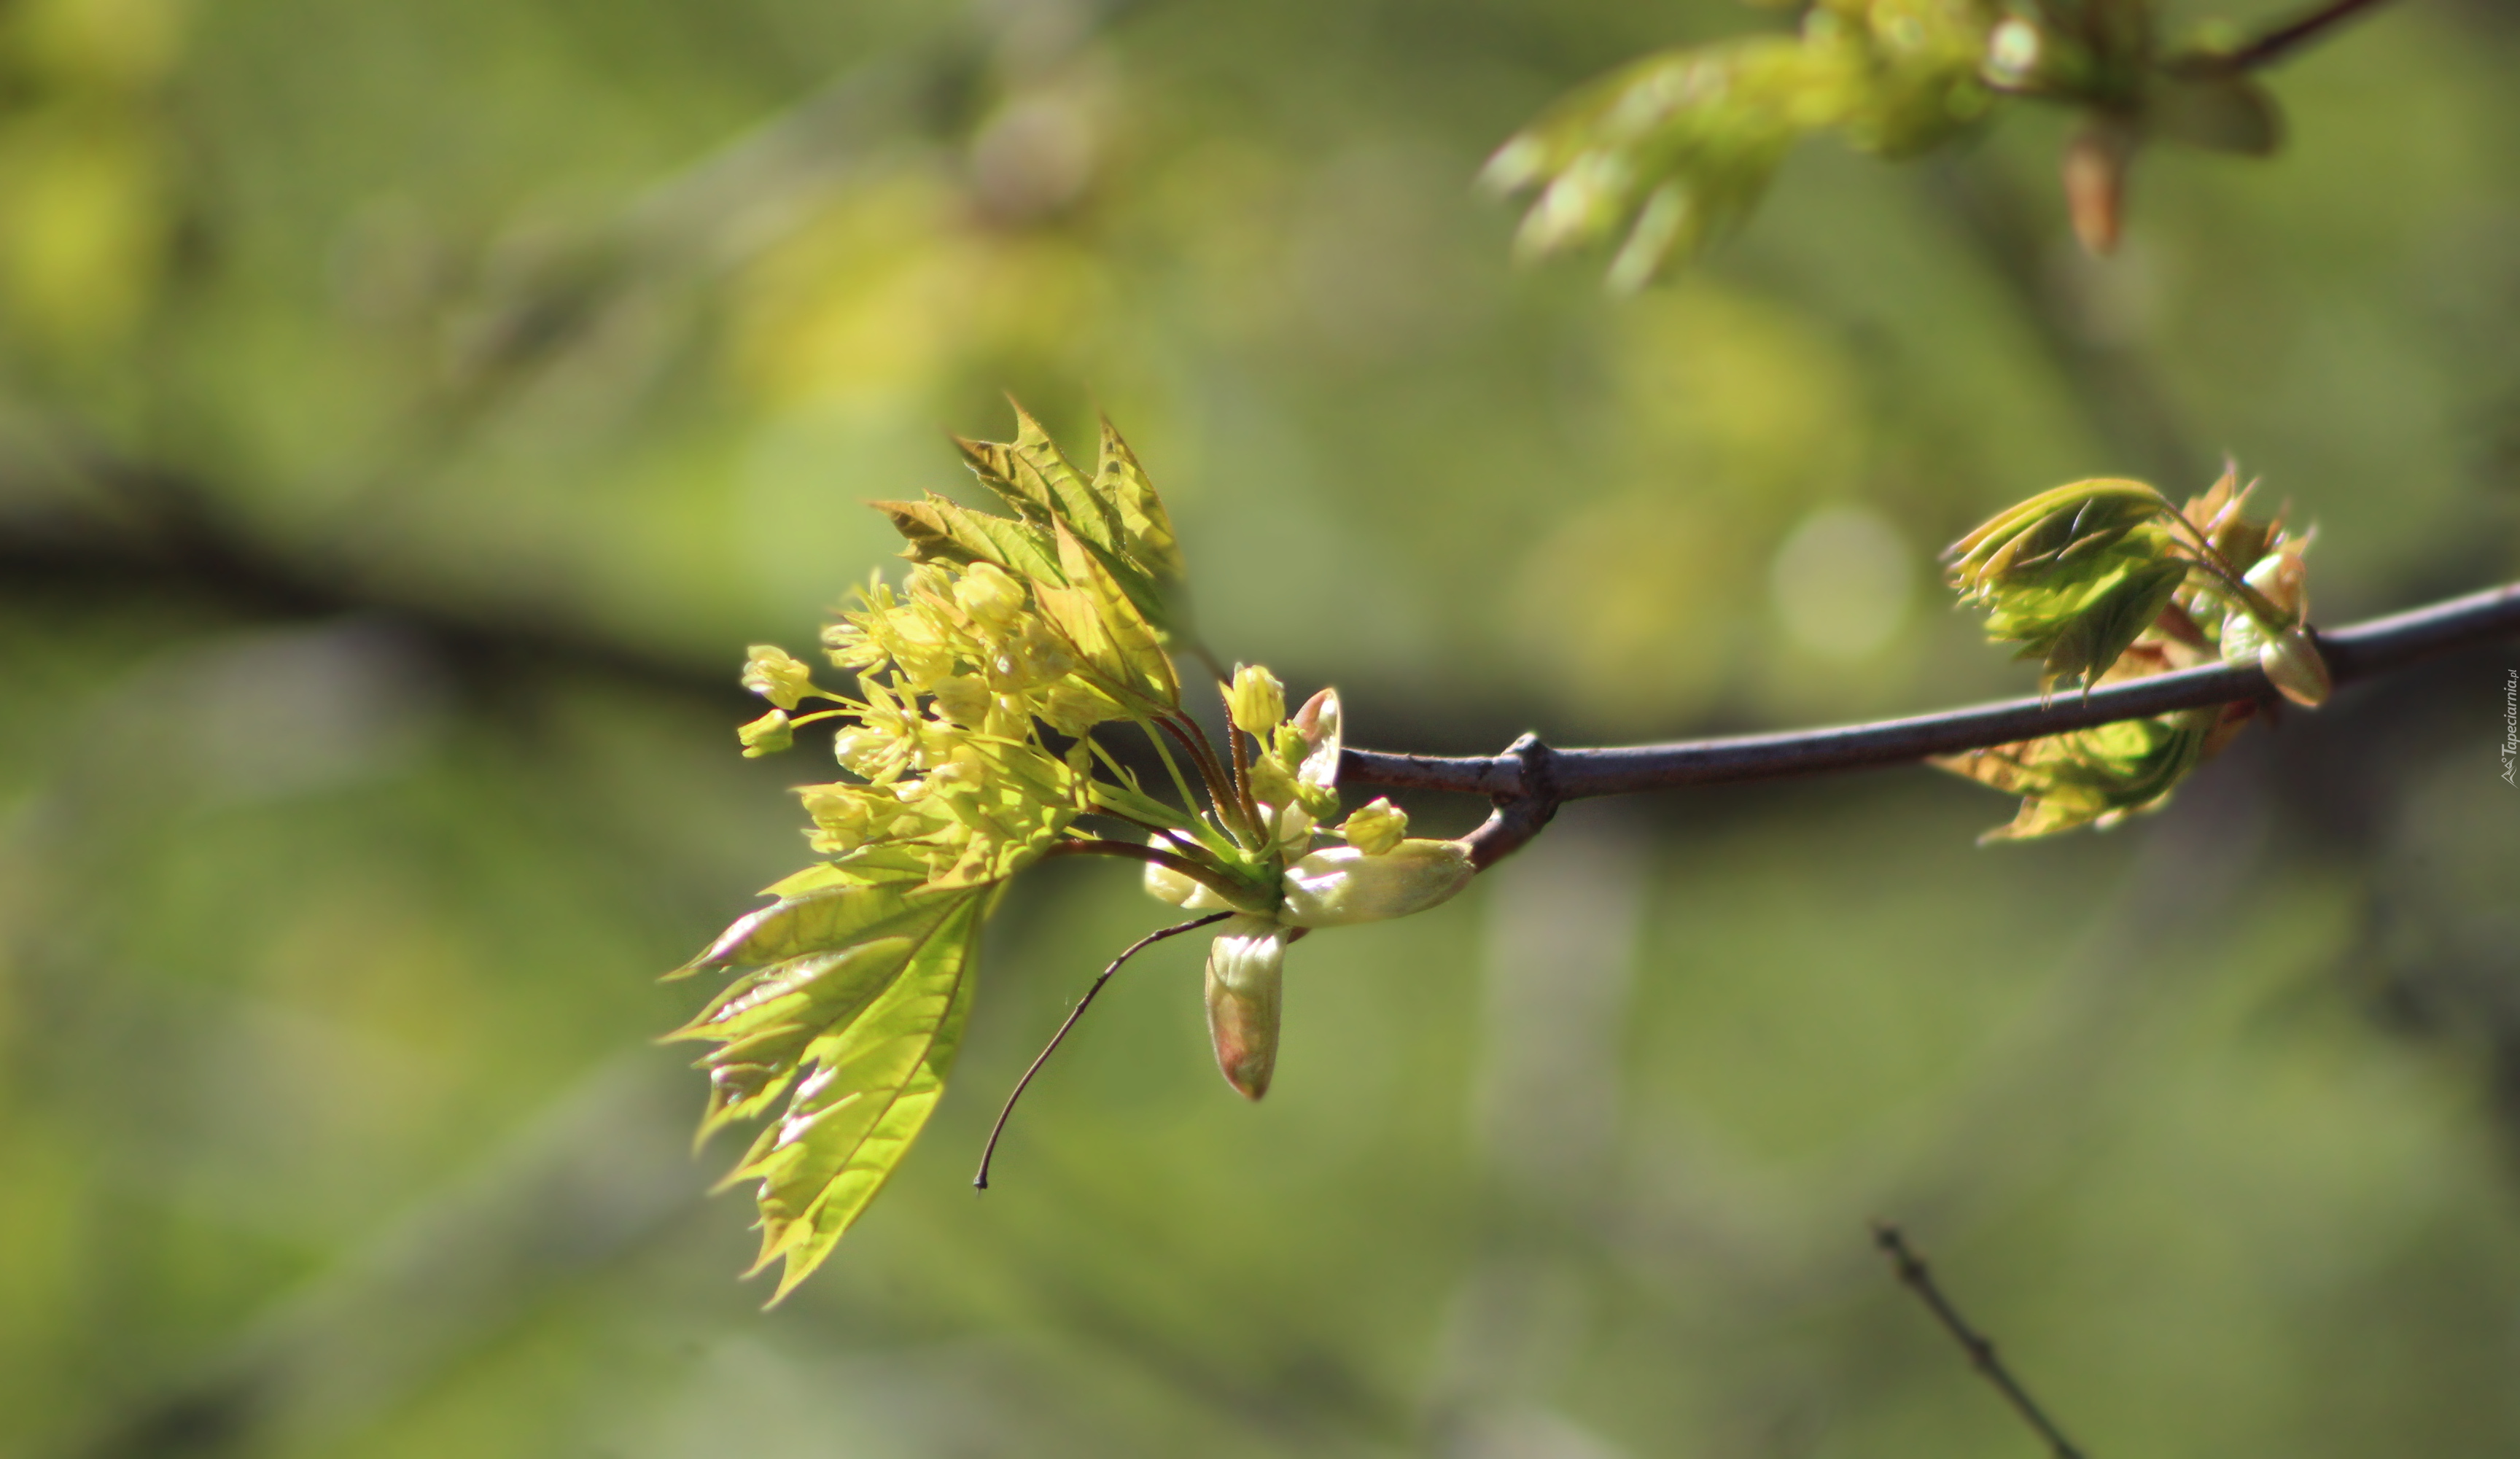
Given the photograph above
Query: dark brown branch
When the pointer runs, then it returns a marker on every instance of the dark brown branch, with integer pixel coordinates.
(175, 543)
(2271, 46)
(170, 541)
(988, 1152)
(1530, 780)
(1919, 1279)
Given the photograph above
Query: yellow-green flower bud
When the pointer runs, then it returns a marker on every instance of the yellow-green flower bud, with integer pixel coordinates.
(989, 595)
(767, 735)
(1376, 827)
(1245, 986)
(771, 674)
(1257, 700)
(849, 648)
(1273, 782)
(1342, 885)
(846, 816)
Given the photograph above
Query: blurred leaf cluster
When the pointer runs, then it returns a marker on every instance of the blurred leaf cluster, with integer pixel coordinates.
(1675, 149)
(2106, 581)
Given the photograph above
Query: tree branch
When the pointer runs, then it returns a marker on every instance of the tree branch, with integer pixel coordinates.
(1530, 780)
(2271, 46)
(180, 545)
(1919, 1279)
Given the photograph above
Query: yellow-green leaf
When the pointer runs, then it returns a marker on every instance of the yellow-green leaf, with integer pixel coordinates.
(855, 1000)
(1108, 631)
(942, 531)
(1147, 529)
(2097, 776)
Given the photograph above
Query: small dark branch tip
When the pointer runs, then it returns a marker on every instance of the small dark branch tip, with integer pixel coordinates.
(2270, 46)
(1915, 1275)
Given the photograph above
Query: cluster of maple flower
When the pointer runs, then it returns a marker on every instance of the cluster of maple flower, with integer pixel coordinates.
(1063, 620)
(994, 684)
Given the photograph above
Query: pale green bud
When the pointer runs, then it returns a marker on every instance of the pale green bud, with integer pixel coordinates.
(1257, 700)
(1188, 894)
(767, 735)
(777, 677)
(989, 595)
(1245, 987)
(2290, 660)
(1376, 827)
(2281, 576)
(1342, 885)
(2292, 664)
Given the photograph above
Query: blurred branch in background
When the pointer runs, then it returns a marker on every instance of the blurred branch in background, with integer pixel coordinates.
(1918, 1278)
(2273, 43)
(163, 537)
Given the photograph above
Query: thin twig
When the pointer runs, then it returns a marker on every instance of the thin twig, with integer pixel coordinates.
(1918, 1278)
(980, 1183)
(1530, 779)
(2270, 46)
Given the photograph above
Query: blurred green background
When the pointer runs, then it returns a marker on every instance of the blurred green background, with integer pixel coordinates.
(409, 412)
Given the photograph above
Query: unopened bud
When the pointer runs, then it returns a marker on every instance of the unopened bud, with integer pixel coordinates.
(1188, 894)
(1319, 722)
(1342, 885)
(1376, 827)
(2281, 576)
(2294, 665)
(767, 735)
(1246, 989)
(1257, 700)
(988, 594)
(776, 676)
